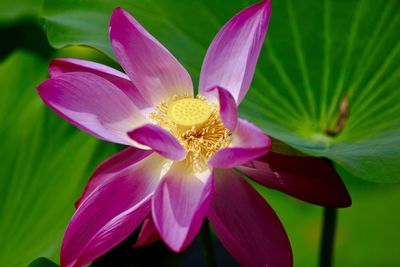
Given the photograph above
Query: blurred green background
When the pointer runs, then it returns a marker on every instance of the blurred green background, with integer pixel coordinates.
(316, 52)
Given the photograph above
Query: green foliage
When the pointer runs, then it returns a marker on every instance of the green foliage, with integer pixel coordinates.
(11, 10)
(42, 262)
(316, 53)
(367, 233)
(44, 163)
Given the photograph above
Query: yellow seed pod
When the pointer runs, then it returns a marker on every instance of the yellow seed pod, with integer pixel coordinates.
(189, 112)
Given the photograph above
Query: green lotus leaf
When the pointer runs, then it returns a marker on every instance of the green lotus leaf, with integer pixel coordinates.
(44, 163)
(11, 10)
(327, 82)
(42, 262)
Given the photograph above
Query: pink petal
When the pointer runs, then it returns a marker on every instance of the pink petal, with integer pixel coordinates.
(110, 167)
(60, 66)
(232, 56)
(246, 225)
(160, 140)
(149, 65)
(227, 105)
(148, 234)
(180, 204)
(93, 104)
(248, 143)
(111, 212)
(310, 179)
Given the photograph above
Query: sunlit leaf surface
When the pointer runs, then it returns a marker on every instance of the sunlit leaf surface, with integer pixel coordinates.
(318, 54)
(44, 163)
(15, 9)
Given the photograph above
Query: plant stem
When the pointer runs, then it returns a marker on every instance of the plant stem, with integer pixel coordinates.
(328, 237)
(206, 245)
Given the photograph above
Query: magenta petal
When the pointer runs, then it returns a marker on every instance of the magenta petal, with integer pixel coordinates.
(180, 204)
(246, 225)
(60, 66)
(227, 107)
(149, 65)
(111, 212)
(148, 234)
(232, 56)
(160, 140)
(248, 143)
(93, 104)
(108, 169)
(310, 179)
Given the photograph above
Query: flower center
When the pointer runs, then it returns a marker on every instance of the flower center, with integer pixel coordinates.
(189, 112)
(196, 124)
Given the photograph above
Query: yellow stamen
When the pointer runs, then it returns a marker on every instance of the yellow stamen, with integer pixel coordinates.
(196, 124)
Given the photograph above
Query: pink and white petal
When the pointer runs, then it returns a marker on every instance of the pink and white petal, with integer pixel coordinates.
(232, 56)
(111, 212)
(248, 142)
(180, 204)
(60, 66)
(160, 140)
(148, 234)
(246, 225)
(307, 178)
(92, 104)
(227, 107)
(149, 65)
(108, 169)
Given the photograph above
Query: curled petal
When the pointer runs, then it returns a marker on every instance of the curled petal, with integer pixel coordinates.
(93, 104)
(232, 56)
(248, 143)
(60, 66)
(307, 178)
(160, 140)
(180, 204)
(227, 107)
(111, 212)
(149, 65)
(246, 225)
(148, 234)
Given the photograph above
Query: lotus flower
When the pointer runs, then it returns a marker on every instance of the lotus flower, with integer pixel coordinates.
(185, 152)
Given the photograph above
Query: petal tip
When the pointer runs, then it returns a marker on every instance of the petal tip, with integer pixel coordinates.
(268, 142)
(177, 248)
(265, 4)
(160, 140)
(53, 68)
(347, 201)
(40, 88)
(116, 15)
(239, 42)
(228, 106)
(117, 10)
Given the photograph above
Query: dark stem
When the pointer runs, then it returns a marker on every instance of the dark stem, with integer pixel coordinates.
(206, 245)
(328, 237)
